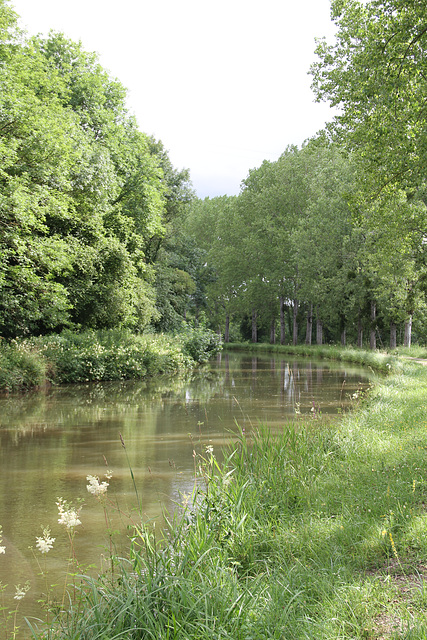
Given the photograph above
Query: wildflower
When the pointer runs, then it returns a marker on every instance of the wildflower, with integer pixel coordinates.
(185, 499)
(95, 487)
(21, 591)
(45, 543)
(209, 449)
(68, 516)
(2, 549)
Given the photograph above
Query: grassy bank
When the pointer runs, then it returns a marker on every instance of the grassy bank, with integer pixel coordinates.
(380, 361)
(317, 532)
(100, 355)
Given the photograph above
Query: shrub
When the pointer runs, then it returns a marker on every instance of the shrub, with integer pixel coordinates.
(200, 343)
(21, 366)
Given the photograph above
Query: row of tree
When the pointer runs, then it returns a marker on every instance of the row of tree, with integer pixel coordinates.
(337, 231)
(290, 249)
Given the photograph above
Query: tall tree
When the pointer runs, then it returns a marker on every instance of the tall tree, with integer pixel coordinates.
(376, 74)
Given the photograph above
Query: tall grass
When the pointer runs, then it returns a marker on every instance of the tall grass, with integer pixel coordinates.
(318, 531)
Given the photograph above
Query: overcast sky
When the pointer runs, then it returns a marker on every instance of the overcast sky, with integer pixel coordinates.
(223, 84)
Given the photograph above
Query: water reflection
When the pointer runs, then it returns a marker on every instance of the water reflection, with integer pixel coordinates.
(50, 442)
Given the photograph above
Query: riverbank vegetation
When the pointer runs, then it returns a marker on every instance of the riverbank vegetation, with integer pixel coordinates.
(101, 355)
(316, 530)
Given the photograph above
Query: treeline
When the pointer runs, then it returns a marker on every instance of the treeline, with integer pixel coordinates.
(300, 255)
(327, 244)
(330, 241)
(86, 198)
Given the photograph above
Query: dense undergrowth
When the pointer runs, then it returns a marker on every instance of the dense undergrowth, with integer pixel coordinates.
(316, 531)
(101, 355)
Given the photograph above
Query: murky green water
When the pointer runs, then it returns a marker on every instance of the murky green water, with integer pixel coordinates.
(50, 442)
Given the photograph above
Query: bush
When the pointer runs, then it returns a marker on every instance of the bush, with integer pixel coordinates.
(111, 355)
(200, 343)
(92, 355)
(21, 366)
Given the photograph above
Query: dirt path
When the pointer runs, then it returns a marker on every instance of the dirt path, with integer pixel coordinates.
(420, 360)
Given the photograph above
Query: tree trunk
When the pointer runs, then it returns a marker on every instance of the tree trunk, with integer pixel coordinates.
(343, 337)
(373, 328)
(295, 326)
(227, 328)
(393, 335)
(319, 331)
(254, 327)
(408, 332)
(282, 320)
(359, 331)
(309, 329)
(273, 331)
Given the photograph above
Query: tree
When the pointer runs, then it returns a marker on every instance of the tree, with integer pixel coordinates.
(376, 74)
(84, 195)
(216, 229)
(320, 238)
(39, 145)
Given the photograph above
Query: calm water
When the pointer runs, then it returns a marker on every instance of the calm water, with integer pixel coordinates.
(50, 442)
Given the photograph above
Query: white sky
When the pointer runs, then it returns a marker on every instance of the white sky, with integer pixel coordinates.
(223, 84)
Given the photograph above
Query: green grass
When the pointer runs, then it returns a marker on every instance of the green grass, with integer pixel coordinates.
(316, 532)
(380, 361)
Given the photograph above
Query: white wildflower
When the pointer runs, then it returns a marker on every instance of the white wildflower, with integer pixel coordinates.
(95, 487)
(68, 516)
(2, 549)
(45, 543)
(21, 591)
(185, 499)
(209, 449)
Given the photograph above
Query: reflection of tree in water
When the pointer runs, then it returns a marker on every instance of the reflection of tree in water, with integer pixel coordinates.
(289, 382)
(60, 407)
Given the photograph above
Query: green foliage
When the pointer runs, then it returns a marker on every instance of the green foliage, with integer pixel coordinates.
(200, 343)
(85, 196)
(110, 355)
(301, 235)
(375, 73)
(22, 366)
(97, 355)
